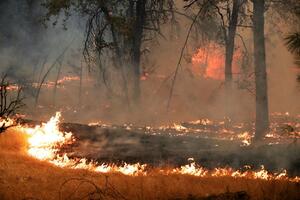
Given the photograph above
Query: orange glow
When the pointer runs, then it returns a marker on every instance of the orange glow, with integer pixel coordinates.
(209, 62)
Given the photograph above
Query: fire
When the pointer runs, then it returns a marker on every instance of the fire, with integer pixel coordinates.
(6, 122)
(68, 79)
(45, 142)
(13, 87)
(246, 138)
(195, 170)
(48, 84)
(209, 62)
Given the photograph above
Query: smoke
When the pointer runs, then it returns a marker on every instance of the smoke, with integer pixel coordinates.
(29, 49)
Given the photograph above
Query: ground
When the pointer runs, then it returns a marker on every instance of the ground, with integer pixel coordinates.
(23, 177)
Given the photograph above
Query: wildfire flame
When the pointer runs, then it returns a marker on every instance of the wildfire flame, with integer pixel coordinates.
(6, 122)
(195, 170)
(209, 62)
(48, 84)
(46, 140)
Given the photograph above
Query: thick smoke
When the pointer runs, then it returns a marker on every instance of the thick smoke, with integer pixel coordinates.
(29, 49)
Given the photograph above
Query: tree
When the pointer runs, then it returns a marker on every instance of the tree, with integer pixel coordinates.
(229, 49)
(286, 9)
(230, 15)
(229, 41)
(116, 31)
(293, 44)
(9, 104)
(262, 110)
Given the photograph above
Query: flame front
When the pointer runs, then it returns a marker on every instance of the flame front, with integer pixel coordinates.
(45, 142)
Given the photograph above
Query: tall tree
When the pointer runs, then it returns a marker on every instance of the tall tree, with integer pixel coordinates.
(116, 30)
(230, 17)
(262, 109)
(229, 50)
(139, 24)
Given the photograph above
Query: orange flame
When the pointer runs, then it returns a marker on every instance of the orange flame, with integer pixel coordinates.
(209, 62)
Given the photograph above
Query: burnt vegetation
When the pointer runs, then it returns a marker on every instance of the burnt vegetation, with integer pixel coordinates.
(10, 104)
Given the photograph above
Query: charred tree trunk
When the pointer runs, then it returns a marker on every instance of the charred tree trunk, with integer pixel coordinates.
(229, 50)
(262, 111)
(230, 42)
(140, 11)
(119, 55)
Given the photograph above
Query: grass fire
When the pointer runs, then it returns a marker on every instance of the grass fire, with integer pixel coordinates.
(148, 99)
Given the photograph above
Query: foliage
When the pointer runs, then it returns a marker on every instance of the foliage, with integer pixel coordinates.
(106, 18)
(115, 33)
(293, 43)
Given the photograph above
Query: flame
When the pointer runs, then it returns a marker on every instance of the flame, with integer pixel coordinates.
(6, 122)
(195, 170)
(246, 138)
(46, 140)
(13, 87)
(48, 84)
(209, 62)
(68, 79)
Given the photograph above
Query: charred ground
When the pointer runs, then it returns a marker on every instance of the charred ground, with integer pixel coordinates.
(210, 144)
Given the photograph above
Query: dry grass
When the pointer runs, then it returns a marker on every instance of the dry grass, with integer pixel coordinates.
(22, 177)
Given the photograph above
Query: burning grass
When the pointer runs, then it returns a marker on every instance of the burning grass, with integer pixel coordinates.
(23, 175)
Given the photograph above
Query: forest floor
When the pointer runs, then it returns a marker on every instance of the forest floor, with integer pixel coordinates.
(166, 147)
(210, 143)
(23, 177)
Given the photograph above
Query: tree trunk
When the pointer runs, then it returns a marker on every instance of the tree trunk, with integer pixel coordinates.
(230, 41)
(262, 112)
(119, 55)
(229, 50)
(136, 47)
